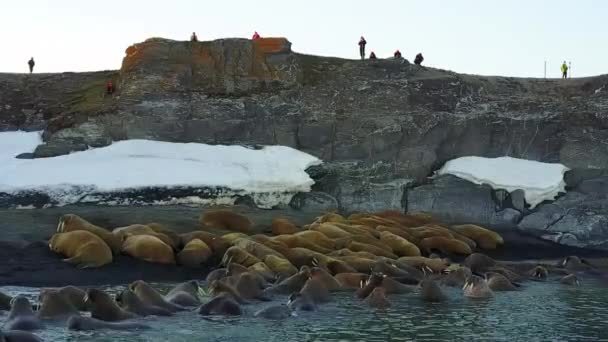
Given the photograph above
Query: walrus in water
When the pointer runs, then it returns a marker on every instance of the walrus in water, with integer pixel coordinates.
(498, 282)
(184, 294)
(53, 305)
(217, 287)
(350, 281)
(5, 301)
(316, 290)
(456, 276)
(291, 284)
(275, 312)
(72, 294)
(103, 307)
(374, 280)
(576, 264)
(223, 304)
(377, 299)
(21, 316)
(76, 322)
(18, 336)
(479, 262)
(216, 274)
(150, 296)
(248, 287)
(129, 301)
(327, 279)
(477, 287)
(430, 291)
(570, 279)
(392, 286)
(539, 273)
(301, 302)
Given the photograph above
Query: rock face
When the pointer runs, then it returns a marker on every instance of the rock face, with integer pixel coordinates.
(381, 126)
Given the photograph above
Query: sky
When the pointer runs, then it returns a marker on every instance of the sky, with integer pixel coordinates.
(487, 37)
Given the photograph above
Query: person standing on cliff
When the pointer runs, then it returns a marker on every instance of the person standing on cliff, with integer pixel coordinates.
(193, 37)
(362, 43)
(564, 70)
(256, 36)
(31, 63)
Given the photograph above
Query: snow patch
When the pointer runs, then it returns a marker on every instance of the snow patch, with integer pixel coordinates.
(270, 175)
(539, 181)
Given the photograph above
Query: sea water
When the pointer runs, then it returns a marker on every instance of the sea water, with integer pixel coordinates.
(541, 311)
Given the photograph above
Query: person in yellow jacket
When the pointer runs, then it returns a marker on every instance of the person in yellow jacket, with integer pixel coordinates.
(564, 70)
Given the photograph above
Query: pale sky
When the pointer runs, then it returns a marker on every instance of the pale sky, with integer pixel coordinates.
(488, 37)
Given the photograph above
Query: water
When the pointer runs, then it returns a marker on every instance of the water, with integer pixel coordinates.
(541, 312)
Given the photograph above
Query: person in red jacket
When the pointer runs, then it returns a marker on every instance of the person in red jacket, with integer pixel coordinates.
(397, 54)
(362, 43)
(110, 88)
(256, 36)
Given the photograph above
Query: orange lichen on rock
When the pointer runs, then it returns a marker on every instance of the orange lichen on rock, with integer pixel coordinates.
(271, 45)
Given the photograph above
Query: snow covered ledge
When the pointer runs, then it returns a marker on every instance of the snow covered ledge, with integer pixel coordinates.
(121, 172)
(539, 181)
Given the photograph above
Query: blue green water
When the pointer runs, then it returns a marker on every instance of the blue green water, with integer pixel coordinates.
(540, 312)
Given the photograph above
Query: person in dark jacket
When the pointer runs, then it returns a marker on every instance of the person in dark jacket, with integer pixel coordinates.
(31, 63)
(193, 37)
(418, 60)
(397, 54)
(362, 43)
(372, 55)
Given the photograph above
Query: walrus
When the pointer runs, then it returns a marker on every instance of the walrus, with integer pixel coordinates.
(445, 245)
(408, 220)
(477, 287)
(248, 287)
(263, 270)
(226, 220)
(18, 336)
(296, 241)
(485, 238)
(184, 294)
(456, 277)
(400, 246)
(333, 265)
(316, 290)
(479, 262)
(281, 226)
(570, 279)
(103, 307)
(195, 254)
(391, 286)
(377, 299)
(299, 257)
(347, 252)
(216, 274)
(356, 229)
(218, 287)
(256, 249)
(315, 237)
(298, 301)
(240, 256)
(331, 231)
(433, 265)
(327, 279)
(367, 286)
(222, 304)
(498, 282)
(129, 301)
(148, 248)
(53, 305)
(79, 323)
(430, 291)
(399, 232)
(5, 301)
(217, 244)
(270, 243)
(161, 229)
(292, 284)
(275, 312)
(21, 316)
(330, 217)
(72, 222)
(575, 264)
(390, 268)
(141, 229)
(538, 273)
(150, 296)
(235, 270)
(359, 264)
(82, 248)
(350, 281)
(363, 247)
(72, 294)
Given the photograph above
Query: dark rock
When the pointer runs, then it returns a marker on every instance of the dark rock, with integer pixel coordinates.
(313, 201)
(518, 200)
(454, 200)
(25, 156)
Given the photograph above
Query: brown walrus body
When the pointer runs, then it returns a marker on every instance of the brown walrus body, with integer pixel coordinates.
(184, 294)
(81, 248)
(129, 301)
(226, 220)
(148, 248)
(53, 305)
(194, 254)
(72, 222)
(281, 226)
(150, 296)
(223, 304)
(430, 291)
(21, 316)
(377, 299)
(104, 308)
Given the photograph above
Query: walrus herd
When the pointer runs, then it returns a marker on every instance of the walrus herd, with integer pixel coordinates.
(374, 256)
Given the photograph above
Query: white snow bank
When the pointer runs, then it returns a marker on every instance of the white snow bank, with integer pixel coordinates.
(133, 164)
(539, 181)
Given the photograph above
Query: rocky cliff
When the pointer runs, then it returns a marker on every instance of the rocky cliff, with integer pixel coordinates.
(381, 127)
